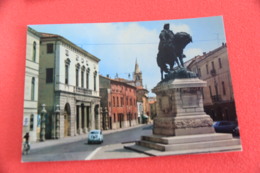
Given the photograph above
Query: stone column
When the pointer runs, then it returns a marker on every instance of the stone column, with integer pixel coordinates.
(42, 130)
(57, 112)
(75, 124)
(80, 121)
(92, 116)
(88, 118)
(85, 120)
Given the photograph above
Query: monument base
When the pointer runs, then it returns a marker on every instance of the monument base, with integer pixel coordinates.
(181, 125)
(189, 144)
(185, 125)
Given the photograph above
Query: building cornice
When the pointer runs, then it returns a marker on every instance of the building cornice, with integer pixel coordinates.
(54, 37)
(198, 59)
(119, 82)
(33, 31)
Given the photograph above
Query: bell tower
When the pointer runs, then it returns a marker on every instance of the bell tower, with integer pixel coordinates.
(137, 75)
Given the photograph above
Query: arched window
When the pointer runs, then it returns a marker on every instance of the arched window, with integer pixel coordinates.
(213, 66)
(223, 88)
(199, 72)
(82, 79)
(32, 88)
(77, 75)
(82, 76)
(87, 78)
(219, 63)
(95, 80)
(31, 122)
(210, 91)
(34, 51)
(114, 102)
(66, 74)
(122, 101)
(67, 64)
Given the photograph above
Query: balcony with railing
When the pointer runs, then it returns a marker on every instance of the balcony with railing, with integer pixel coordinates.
(82, 91)
(216, 98)
(213, 72)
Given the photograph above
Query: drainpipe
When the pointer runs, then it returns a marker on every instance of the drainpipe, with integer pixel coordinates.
(53, 130)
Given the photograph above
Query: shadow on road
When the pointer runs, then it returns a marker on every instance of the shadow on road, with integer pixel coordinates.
(148, 127)
(121, 150)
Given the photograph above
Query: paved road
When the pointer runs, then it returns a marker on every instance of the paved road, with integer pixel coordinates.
(80, 150)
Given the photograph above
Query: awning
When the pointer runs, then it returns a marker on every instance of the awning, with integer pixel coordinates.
(144, 116)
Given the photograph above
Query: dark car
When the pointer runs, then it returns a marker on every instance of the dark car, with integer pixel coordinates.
(236, 131)
(225, 126)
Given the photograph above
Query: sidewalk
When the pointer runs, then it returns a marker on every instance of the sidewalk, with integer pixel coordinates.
(71, 139)
(115, 151)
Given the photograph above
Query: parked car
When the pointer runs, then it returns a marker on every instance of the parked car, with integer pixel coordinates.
(236, 131)
(224, 126)
(95, 136)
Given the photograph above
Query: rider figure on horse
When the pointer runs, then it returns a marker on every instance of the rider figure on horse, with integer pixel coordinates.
(166, 37)
(171, 49)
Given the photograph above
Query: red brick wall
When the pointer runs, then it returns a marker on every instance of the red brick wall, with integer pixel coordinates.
(123, 102)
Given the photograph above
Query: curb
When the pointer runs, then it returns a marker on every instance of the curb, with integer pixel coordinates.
(71, 139)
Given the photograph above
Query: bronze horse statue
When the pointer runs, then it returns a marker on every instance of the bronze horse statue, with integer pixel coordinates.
(173, 52)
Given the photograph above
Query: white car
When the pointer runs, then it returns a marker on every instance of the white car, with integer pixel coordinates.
(95, 136)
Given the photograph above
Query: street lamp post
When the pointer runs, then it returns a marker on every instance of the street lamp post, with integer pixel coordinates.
(42, 131)
(57, 113)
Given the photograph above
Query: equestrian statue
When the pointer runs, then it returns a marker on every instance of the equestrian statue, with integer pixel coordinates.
(171, 49)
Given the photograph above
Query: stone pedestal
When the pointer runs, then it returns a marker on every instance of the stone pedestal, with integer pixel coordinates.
(180, 108)
(181, 125)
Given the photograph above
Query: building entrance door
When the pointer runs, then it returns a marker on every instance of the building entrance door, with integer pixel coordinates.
(110, 122)
(66, 124)
(121, 119)
(66, 119)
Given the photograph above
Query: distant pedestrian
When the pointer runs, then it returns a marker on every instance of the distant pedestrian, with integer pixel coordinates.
(26, 146)
(26, 137)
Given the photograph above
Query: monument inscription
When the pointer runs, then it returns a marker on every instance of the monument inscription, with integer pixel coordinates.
(189, 98)
(165, 103)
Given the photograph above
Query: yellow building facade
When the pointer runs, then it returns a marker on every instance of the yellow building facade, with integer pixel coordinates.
(218, 97)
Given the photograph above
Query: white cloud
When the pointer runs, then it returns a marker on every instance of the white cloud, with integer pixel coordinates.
(180, 28)
(192, 52)
(122, 45)
(131, 42)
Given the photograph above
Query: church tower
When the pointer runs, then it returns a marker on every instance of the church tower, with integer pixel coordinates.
(137, 75)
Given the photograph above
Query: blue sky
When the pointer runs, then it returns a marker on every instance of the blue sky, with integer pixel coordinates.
(120, 44)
